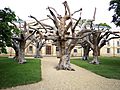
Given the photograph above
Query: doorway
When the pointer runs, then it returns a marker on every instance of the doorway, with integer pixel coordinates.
(48, 50)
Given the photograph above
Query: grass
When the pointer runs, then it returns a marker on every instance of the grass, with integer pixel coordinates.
(14, 74)
(109, 67)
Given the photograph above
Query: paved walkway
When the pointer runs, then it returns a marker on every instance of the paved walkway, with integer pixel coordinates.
(80, 79)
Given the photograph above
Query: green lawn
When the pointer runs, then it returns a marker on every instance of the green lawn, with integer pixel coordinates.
(13, 74)
(109, 67)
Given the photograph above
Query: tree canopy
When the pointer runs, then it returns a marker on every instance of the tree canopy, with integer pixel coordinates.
(6, 17)
(115, 5)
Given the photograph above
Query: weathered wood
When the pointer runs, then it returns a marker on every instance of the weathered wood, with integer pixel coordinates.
(19, 43)
(66, 41)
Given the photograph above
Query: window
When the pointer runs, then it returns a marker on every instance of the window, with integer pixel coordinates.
(108, 50)
(118, 50)
(75, 50)
(30, 48)
(118, 43)
(48, 50)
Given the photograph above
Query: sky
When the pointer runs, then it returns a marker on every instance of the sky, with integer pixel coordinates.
(37, 8)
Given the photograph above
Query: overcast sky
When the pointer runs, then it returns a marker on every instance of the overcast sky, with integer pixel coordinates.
(37, 8)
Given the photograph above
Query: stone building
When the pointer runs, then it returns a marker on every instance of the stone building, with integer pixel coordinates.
(112, 48)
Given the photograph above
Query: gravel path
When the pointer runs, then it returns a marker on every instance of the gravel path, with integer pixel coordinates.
(80, 79)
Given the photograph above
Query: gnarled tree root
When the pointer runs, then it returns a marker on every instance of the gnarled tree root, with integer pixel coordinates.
(22, 62)
(95, 62)
(64, 68)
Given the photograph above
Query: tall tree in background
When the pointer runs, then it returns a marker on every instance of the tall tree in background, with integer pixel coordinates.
(97, 40)
(115, 5)
(6, 17)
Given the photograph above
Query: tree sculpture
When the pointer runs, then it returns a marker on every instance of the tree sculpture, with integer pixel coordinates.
(38, 42)
(42, 34)
(19, 41)
(85, 45)
(28, 35)
(98, 39)
(86, 49)
(66, 36)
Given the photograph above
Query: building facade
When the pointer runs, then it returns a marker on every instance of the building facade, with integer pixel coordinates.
(112, 48)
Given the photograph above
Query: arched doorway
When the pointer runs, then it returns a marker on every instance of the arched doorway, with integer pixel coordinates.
(48, 50)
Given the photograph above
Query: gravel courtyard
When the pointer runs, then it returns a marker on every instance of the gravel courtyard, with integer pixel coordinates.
(80, 79)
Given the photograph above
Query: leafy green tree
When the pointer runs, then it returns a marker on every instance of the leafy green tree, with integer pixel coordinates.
(115, 5)
(7, 16)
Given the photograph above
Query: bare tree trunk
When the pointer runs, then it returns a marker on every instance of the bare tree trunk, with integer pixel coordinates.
(19, 52)
(62, 33)
(16, 54)
(21, 56)
(16, 49)
(37, 53)
(61, 64)
(86, 51)
(98, 51)
(64, 63)
(39, 46)
(68, 62)
(95, 56)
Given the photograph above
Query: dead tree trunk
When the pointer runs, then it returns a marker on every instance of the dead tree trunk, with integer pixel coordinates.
(64, 63)
(37, 53)
(19, 42)
(21, 54)
(86, 51)
(38, 48)
(95, 48)
(16, 49)
(95, 56)
(66, 35)
(16, 54)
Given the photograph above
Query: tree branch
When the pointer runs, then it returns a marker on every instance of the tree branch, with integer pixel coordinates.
(113, 38)
(67, 8)
(55, 23)
(54, 10)
(30, 35)
(76, 11)
(38, 22)
(55, 18)
(37, 31)
(73, 29)
(68, 26)
(29, 43)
